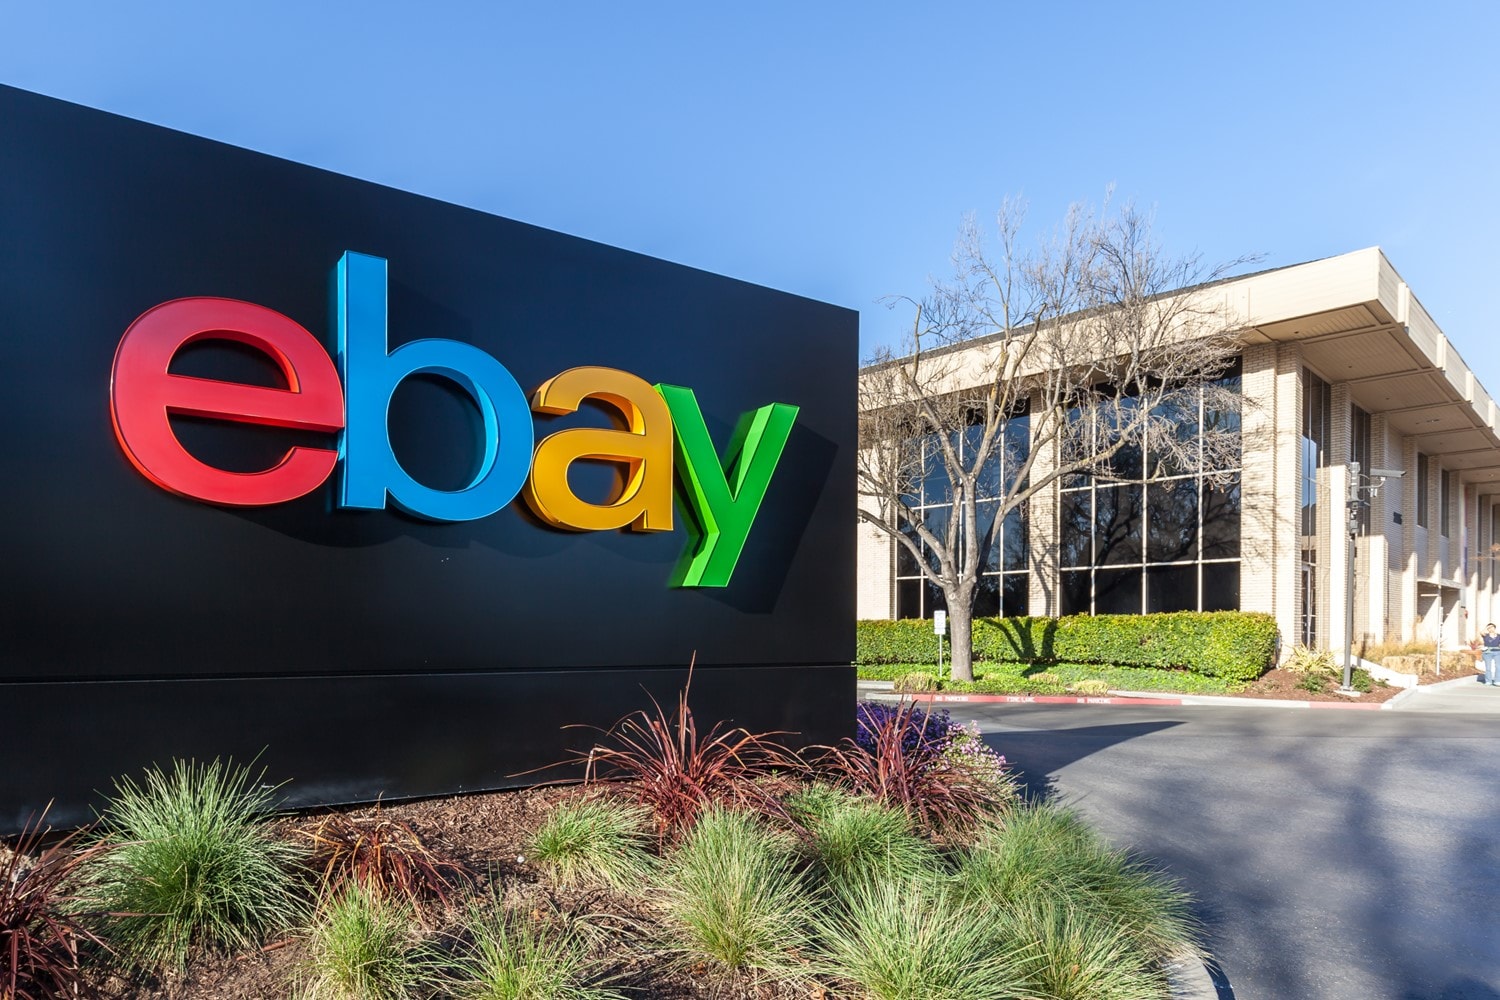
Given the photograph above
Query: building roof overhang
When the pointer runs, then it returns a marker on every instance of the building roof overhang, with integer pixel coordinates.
(1358, 324)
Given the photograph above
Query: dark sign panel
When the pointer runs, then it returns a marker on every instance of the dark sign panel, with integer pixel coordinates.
(382, 489)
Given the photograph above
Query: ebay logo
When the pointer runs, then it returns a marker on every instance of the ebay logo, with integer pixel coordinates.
(659, 427)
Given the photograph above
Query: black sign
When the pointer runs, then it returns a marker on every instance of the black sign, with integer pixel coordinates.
(368, 649)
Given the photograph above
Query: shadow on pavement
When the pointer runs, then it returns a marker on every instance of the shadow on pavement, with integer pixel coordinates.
(1035, 756)
(1462, 988)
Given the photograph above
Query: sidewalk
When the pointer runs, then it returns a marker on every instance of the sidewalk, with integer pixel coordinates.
(1463, 695)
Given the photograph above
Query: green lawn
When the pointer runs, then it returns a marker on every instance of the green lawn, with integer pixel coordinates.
(1019, 678)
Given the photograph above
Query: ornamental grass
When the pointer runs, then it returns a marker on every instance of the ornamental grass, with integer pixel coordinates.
(186, 862)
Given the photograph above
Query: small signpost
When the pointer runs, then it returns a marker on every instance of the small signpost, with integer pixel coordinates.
(940, 629)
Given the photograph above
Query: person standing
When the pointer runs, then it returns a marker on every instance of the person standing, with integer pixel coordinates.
(1491, 640)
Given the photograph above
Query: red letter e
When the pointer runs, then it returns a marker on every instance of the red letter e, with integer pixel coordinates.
(143, 394)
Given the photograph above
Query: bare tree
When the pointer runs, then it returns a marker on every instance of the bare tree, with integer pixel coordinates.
(1097, 336)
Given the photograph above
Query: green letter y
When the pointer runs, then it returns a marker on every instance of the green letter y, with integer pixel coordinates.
(723, 499)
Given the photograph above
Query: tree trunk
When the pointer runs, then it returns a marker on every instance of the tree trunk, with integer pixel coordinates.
(961, 638)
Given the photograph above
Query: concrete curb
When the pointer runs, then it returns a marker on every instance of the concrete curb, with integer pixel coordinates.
(1188, 979)
(885, 692)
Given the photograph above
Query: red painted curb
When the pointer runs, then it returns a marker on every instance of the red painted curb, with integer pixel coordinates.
(1044, 699)
(1047, 699)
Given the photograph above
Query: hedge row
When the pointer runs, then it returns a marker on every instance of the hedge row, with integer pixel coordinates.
(1235, 645)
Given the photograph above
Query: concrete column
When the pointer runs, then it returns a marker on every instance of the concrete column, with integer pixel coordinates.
(1484, 604)
(1329, 544)
(1337, 547)
(875, 573)
(1042, 528)
(1260, 505)
(1408, 556)
(1432, 564)
(1468, 543)
(1375, 561)
(1284, 516)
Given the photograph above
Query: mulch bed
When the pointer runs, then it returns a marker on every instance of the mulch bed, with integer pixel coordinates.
(1284, 684)
(488, 832)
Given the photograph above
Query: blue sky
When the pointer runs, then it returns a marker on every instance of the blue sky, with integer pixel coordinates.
(832, 149)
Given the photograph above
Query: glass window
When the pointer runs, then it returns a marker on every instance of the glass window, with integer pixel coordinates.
(1173, 438)
(1445, 502)
(1017, 594)
(932, 598)
(1172, 520)
(1221, 586)
(1221, 521)
(1117, 524)
(989, 549)
(1221, 413)
(1073, 594)
(1422, 473)
(1115, 419)
(906, 563)
(937, 522)
(1315, 414)
(1075, 529)
(987, 597)
(1172, 588)
(1017, 446)
(1117, 591)
(1494, 551)
(1007, 549)
(1017, 556)
(1137, 543)
(936, 487)
(1359, 451)
(908, 598)
(1075, 441)
(987, 482)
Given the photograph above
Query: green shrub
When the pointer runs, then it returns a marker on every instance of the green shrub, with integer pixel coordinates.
(187, 863)
(733, 897)
(902, 940)
(905, 640)
(1046, 856)
(916, 683)
(595, 841)
(1311, 662)
(813, 804)
(861, 842)
(1313, 682)
(1074, 955)
(361, 948)
(503, 956)
(1091, 687)
(1000, 681)
(1229, 644)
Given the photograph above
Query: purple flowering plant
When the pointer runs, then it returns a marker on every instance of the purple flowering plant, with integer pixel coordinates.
(940, 772)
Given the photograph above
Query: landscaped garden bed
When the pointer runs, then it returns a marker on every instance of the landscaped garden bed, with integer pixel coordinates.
(1217, 653)
(899, 865)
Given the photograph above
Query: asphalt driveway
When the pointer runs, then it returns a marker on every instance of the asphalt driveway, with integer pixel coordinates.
(1334, 855)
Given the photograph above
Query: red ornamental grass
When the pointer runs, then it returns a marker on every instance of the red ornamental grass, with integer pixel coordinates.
(676, 772)
(903, 765)
(384, 855)
(39, 935)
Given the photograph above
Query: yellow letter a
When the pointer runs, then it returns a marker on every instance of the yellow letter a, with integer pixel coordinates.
(644, 448)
